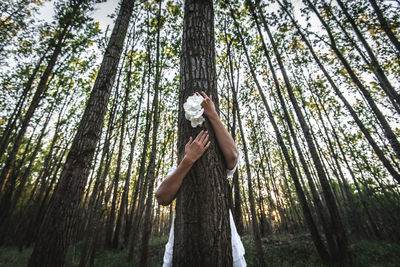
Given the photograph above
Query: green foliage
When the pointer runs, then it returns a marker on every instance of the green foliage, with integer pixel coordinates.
(10, 256)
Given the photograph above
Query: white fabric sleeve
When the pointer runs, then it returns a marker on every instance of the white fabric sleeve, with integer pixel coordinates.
(231, 172)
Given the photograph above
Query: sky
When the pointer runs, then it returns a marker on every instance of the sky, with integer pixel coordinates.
(100, 14)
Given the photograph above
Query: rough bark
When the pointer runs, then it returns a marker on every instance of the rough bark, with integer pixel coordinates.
(202, 231)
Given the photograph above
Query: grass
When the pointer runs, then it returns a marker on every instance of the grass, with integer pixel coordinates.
(278, 251)
(11, 257)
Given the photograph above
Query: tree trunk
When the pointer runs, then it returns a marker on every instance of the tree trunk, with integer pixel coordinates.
(125, 193)
(202, 231)
(254, 220)
(111, 217)
(131, 155)
(136, 209)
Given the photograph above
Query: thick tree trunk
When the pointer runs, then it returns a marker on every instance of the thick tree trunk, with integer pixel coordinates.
(58, 226)
(202, 231)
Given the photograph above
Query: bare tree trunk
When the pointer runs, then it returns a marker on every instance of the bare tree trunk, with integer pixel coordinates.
(136, 209)
(202, 231)
(111, 217)
(131, 155)
(254, 220)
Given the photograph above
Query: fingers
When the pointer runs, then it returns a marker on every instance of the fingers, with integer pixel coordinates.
(200, 135)
(207, 146)
(205, 138)
(204, 95)
(190, 141)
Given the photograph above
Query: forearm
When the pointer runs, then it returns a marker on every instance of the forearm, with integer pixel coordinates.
(169, 187)
(225, 141)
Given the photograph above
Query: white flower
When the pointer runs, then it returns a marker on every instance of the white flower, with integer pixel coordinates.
(193, 110)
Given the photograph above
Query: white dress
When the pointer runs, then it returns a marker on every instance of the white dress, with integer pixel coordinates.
(237, 246)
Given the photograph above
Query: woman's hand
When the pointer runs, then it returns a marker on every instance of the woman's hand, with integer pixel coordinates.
(194, 149)
(208, 105)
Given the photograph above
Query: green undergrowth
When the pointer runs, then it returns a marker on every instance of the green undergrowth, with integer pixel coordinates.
(299, 251)
(288, 250)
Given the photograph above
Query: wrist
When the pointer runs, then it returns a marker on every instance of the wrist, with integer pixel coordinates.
(187, 161)
(213, 116)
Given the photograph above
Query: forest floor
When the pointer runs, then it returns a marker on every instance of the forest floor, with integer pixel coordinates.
(290, 250)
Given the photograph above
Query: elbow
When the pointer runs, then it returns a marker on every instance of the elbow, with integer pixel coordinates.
(232, 160)
(161, 201)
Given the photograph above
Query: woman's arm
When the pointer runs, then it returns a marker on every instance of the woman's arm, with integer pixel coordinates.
(225, 140)
(193, 151)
